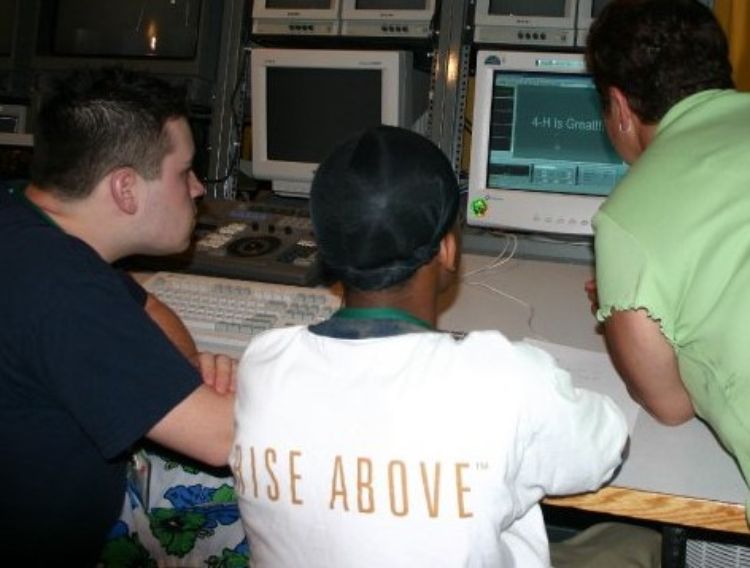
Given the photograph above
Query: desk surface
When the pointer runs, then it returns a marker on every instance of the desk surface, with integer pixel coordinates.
(677, 475)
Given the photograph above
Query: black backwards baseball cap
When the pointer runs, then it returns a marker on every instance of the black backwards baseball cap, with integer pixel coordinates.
(380, 204)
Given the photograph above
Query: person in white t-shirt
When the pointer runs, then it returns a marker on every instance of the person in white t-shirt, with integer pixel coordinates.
(374, 439)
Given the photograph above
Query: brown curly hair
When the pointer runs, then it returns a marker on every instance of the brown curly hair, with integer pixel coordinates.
(657, 52)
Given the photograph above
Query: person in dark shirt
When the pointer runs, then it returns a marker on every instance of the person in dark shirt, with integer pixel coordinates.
(90, 364)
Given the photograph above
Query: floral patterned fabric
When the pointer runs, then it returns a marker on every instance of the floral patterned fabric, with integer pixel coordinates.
(176, 515)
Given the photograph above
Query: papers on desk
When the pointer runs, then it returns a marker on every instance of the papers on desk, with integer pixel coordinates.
(594, 371)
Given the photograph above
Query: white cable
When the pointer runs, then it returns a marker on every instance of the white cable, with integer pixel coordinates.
(505, 255)
(529, 307)
(510, 241)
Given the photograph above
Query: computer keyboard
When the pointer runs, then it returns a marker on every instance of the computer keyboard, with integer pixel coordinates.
(224, 314)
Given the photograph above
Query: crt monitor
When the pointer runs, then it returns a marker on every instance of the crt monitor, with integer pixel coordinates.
(588, 10)
(8, 15)
(13, 118)
(387, 18)
(522, 22)
(540, 157)
(177, 38)
(15, 19)
(303, 102)
(296, 17)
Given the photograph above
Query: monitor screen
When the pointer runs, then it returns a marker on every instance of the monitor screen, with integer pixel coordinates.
(547, 134)
(176, 39)
(106, 28)
(298, 4)
(7, 25)
(541, 159)
(547, 8)
(15, 162)
(391, 4)
(13, 118)
(304, 129)
(597, 7)
(8, 123)
(344, 92)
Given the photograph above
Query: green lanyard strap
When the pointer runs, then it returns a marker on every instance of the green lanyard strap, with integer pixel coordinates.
(381, 313)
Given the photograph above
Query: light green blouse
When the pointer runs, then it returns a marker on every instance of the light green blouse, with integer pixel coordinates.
(674, 239)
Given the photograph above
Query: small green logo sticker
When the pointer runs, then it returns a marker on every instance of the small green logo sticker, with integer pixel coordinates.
(479, 207)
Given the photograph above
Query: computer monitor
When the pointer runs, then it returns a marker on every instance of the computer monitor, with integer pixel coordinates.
(13, 118)
(16, 152)
(522, 22)
(16, 25)
(16, 144)
(387, 18)
(8, 18)
(588, 10)
(296, 17)
(171, 38)
(303, 102)
(540, 157)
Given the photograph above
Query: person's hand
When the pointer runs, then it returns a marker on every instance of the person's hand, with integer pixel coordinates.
(218, 371)
(590, 287)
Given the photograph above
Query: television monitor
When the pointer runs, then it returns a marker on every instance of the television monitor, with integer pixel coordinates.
(15, 159)
(16, 25)
(13, 118)
(303, 102)
(540, 157)
(588, 10)
(16, 144)
(15, 20)
(8, 16)
(296, 17)
(387, 18)
(521, 22)
(171, 38)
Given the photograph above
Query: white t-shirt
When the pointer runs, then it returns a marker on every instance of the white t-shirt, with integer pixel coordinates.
(412, 450)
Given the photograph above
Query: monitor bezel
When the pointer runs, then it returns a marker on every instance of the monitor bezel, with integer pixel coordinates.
(482, 17)
(395, 97)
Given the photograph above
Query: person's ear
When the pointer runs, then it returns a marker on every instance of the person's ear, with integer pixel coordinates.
(621, 110)
(448, 252)
(123, 188)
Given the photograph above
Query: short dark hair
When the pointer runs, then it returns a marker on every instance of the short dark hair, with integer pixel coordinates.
(657, 52)
(94, 121)
(380, 204)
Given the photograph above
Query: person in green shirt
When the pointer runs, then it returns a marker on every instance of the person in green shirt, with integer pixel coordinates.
(672, 242)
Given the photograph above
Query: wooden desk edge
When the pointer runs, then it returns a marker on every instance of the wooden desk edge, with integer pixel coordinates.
(660, 507)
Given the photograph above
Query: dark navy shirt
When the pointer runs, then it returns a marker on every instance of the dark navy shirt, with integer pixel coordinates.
(84, 374)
